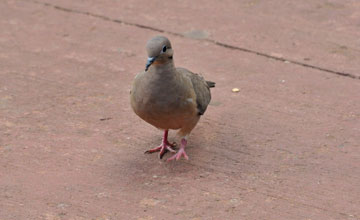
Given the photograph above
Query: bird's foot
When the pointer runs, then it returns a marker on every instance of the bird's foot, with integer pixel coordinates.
(163, 148)
(178, 155)
(181, 152)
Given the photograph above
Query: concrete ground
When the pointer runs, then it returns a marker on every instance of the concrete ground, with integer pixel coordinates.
(286, 146)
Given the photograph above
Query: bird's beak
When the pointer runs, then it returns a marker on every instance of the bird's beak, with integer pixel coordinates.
(150, 60)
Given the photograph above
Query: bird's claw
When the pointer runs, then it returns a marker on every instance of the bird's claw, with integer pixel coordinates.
(178, 155)
(163, 148)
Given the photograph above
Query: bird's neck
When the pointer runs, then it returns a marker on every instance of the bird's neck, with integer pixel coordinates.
(164, 68)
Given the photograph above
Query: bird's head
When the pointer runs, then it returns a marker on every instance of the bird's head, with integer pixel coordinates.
(159, 51)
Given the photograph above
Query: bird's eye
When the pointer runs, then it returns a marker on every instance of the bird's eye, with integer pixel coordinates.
(164, 49)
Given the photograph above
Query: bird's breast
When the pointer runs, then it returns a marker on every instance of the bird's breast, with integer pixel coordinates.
(162, 102)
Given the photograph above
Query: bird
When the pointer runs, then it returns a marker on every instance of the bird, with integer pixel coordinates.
(169, 97)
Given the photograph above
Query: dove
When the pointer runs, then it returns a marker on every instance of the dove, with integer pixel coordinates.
(169, 97)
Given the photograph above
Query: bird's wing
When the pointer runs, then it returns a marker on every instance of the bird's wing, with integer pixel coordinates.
(201, 89)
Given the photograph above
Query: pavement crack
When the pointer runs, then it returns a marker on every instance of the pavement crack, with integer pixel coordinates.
(218, 43)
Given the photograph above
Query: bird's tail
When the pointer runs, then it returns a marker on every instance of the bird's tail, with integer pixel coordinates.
(210, 84)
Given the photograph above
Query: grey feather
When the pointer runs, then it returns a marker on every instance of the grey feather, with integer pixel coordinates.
(201, 88)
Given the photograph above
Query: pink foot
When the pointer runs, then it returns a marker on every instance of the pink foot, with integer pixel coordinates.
(164, 147)
(181, 152)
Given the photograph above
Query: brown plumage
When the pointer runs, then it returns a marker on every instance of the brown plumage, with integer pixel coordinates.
(168, 97)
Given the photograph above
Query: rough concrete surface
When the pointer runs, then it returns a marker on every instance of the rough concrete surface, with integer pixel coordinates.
(286, 146)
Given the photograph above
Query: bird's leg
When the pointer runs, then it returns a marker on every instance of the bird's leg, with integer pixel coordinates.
(164, 147)
(181, 151)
